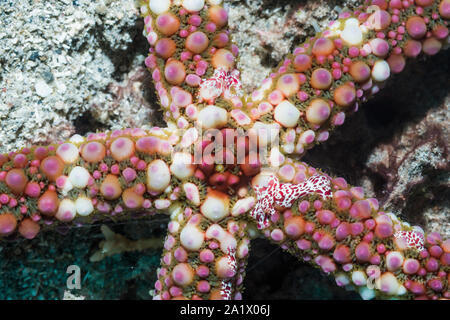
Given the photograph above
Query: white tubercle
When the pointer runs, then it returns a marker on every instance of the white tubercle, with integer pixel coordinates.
(264, 133)
(359, 278)
(84, 206)
(174, 211)
(161, 204)
(193, 5)
(276, 158)
(189, 137)
(182, 166)
(288, 148)
(158, 176)
(67, 187)
(216, 206)
(191, 238)
(381, 71)
(215, 2)
(79, 177)
(192, 193)
(401, 290)
(212, 117)
(342, 279)
(262, 179)
(287, 114)
(352, 34)
(388, 283)
(159, 6)
(174, 226)
(242, 249)
(266, 84)
(76, 138)
(68, 153)
(242, 206)
(66, 210)
(122, 148)
(394, 260)
(226, 239)
(223, 268)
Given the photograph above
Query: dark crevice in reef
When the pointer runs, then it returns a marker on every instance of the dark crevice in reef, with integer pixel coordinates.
(122, 59)
(432, 193)
(389, 174)
(149, 94)
(275, 274)
(266, 58)
(123, 62)
(87, 123)
(78, 45)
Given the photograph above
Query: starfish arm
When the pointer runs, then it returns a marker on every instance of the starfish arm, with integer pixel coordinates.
(191, 60)
(106, 175)
(330, 75)
(352, 238)
(203, 259)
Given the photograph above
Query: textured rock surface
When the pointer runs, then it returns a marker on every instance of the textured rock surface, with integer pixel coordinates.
(77, 66)
(64, 65)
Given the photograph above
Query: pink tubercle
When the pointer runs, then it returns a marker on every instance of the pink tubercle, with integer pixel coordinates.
(195, 20)
(20, 160)
(115, 169)
(277, 235)
(303, 244)
(203, 286)
(362, 252)
(340, 183)
(432, 265)
(206, 256)
(211, 27)
(384, 230)
(202, 271)
(326, 263)
(342, 254)
(353, 52)
(325, 216)
(302, 96)
(342, 231)
(339, 119)
(32, 190)
(12, 203)
(337, 74)
(433, 238)
(356, 228)
(309, 227)
(303, 206)
(180, 254)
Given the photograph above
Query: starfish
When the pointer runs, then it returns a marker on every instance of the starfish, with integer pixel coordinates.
(229, 164)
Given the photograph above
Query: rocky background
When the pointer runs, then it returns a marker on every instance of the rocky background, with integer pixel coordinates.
(77, 66)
